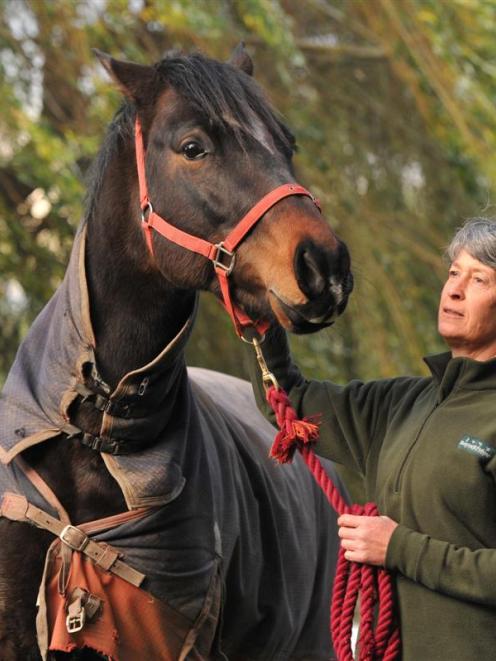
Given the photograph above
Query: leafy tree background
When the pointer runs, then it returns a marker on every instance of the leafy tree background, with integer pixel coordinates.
(393, 106)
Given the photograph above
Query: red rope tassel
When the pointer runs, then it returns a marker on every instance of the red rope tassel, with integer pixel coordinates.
(353, 580)
(291, 428)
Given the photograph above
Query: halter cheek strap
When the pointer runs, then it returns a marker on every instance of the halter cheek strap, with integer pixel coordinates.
(222, 254)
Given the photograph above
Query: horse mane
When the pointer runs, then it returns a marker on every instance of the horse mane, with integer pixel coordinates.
(120, 128)
(228, 100)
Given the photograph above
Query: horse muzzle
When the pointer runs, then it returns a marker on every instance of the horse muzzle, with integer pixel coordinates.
(324, 277)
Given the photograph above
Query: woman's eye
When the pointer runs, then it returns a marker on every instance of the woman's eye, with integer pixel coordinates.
(193, 150)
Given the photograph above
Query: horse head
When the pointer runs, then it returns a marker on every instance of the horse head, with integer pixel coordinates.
(213, 147)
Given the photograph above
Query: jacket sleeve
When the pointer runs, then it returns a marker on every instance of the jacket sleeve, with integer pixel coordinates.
(453, 570)
(353, 418)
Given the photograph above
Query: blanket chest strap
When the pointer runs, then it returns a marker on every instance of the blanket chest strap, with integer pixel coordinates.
(17, 508)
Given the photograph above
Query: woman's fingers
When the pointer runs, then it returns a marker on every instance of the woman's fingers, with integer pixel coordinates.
(351, 520)
(365, 538)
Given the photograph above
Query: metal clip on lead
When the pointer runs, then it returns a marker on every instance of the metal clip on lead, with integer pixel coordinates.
(268, 378)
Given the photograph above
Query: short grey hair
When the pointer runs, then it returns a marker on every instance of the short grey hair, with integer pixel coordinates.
(478, 237)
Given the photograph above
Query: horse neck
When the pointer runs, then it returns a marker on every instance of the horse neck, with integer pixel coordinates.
(135, 312)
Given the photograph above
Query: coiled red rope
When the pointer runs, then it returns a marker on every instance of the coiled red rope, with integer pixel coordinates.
(353, 581)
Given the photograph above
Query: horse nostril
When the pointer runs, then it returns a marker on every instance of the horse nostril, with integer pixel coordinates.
(311, 270)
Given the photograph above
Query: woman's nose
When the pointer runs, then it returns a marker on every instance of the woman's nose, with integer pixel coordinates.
(456, 290)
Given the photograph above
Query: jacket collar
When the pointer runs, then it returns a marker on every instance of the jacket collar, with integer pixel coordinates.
(461, 373)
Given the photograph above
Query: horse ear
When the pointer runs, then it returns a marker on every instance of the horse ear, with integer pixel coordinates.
(134, 80)
(241, 59)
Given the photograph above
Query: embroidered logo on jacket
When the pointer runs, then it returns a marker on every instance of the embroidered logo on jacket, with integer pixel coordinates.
(476, 446)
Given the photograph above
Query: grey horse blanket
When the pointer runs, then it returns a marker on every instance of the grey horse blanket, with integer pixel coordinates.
(218, 505)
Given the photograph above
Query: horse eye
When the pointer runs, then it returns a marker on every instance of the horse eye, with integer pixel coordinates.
(193, 151)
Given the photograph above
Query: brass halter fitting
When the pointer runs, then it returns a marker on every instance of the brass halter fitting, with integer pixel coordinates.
(268, 379)
(252, 336)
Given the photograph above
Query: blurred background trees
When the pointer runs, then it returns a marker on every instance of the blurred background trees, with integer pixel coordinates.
(393, 106)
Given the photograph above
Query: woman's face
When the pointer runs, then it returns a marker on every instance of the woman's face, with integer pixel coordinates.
(467, 309)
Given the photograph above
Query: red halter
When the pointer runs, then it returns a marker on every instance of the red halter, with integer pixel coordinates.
(222, 254)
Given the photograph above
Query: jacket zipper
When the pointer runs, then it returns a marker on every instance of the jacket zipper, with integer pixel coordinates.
(408, 453)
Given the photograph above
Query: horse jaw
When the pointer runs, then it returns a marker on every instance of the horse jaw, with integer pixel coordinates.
(291, 318)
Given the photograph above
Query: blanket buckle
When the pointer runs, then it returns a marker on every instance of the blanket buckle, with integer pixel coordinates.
(75, 621)
(82, 608)
(76, 613)
(74, 538)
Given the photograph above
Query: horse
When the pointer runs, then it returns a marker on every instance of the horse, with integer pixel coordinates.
(141, 516)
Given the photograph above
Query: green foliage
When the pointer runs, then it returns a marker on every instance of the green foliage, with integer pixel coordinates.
(393, 106)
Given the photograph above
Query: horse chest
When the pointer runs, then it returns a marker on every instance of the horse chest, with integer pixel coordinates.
(78, 477)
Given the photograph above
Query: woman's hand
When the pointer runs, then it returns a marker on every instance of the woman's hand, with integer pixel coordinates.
(365, 538)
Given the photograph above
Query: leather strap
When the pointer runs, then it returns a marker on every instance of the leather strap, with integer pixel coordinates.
(17, 508)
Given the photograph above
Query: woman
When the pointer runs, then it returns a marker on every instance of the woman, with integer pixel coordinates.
(427, 450)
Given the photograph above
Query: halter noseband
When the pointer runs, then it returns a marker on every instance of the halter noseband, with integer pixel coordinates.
(222, 254)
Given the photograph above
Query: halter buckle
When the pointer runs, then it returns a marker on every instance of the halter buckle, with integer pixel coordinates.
(217, 259)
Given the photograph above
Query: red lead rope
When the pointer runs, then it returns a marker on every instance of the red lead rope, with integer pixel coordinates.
(353, 580)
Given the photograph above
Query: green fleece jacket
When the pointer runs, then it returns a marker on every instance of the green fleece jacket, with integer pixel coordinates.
(427, 449)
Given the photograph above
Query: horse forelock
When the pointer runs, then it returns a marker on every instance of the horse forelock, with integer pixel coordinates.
(227, 98)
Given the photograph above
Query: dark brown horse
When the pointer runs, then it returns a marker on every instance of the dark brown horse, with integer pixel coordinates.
(102, 426)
